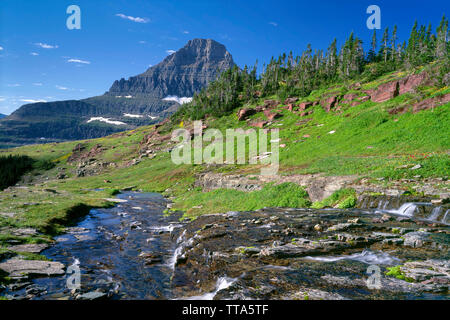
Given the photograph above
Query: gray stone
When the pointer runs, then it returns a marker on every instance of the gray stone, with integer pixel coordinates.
(7, 214)
(417, 239)
(94, 295)
(342, 226)
(32, 248)
(18, 267)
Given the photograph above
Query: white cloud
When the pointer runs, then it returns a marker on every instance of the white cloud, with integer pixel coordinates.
(34, 53)
(46, 46)
(61, 88)
(79, 61)
(134, 19)
(37, 84)
(1, 48)
(2, 99)
(142, 42)
(32, 100)
(186, 32)
(14, 85)
(170, 51)
(274, 24)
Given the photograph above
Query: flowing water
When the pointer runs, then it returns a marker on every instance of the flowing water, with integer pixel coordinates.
(130, 251)
(107, 245)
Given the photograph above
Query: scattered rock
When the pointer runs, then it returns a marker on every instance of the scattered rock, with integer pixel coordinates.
(18, 267)
(94, 295)
(32, 248)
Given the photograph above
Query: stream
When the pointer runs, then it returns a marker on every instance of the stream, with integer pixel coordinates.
(134, 251)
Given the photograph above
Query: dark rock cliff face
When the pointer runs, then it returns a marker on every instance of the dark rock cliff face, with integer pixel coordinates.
(181, 74)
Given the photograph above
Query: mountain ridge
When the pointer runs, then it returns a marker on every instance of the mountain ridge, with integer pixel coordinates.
(140, 100)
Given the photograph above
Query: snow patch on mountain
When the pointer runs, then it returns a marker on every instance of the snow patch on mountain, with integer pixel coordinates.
(129, 115)
(182, 100)
(106, 120)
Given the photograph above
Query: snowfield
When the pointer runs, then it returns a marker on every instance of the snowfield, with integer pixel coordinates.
(106, 120)
(129, 115)
(182, 100)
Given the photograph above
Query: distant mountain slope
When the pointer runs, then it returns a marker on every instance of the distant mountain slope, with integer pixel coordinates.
(2, 115)
(140, 100)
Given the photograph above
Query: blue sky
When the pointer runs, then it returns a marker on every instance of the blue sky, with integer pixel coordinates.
(41, 60)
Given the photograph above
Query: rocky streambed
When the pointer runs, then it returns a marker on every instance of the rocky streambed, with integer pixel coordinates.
(134, 251)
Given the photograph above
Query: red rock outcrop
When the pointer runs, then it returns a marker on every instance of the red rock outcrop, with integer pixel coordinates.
(409, 83)
(329, 103)
(392, 89)
(384, 92)
(431, 103)
(271, 115)
(305, 105)
(290, 100)
(259, 124)
(245, 113)
(271, 103)
(349, 97)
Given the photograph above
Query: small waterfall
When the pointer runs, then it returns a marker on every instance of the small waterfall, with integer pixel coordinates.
(182, 244)
(366, 256)
(406, 209)
(173, 260)
(222, 284)
(424, 211)
(444, 219)
(435, 213)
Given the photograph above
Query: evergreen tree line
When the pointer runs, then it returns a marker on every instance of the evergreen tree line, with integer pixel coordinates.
(12, 168)
(298, 76)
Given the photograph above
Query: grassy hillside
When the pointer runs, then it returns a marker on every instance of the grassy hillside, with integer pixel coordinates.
(368, 142)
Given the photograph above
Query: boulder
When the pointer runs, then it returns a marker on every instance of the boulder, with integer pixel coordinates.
(290, 107)
(304, 105)
(329, 103)
(356, 86)
(32, 248)
(271, 103)
(245, 113)
(94, 295)
(290, 100)
(271, 115)
(259, 124)
(17, 267)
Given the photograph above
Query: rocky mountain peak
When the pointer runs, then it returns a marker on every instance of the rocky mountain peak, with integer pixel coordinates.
(181, 74)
